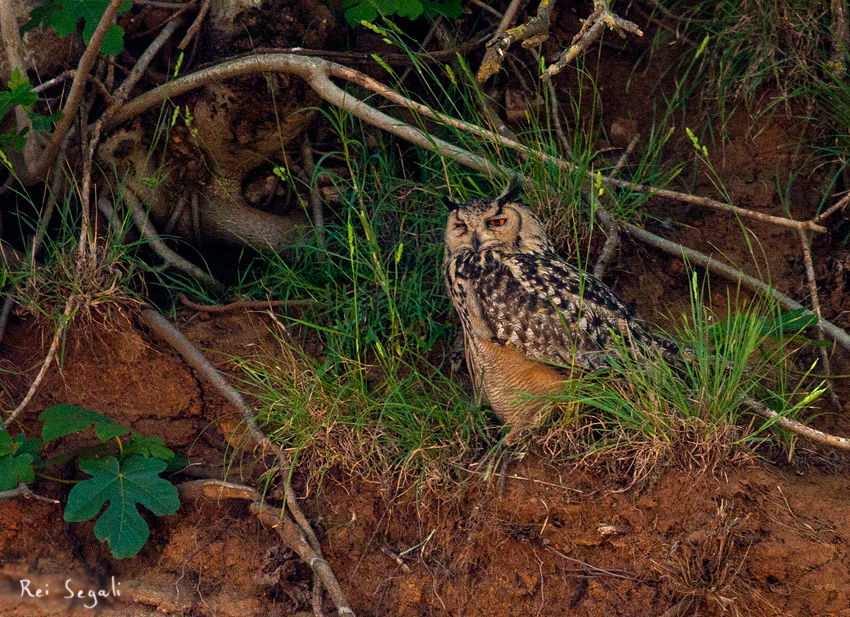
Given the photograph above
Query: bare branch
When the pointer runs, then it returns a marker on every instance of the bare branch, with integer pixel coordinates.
(730, 273)
(612, 239)
(532, 33)
(601, 18)
(69, 112)
(209, 374)
(801, 429)
(24, 491)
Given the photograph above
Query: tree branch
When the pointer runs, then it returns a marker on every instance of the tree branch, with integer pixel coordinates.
(69, 112)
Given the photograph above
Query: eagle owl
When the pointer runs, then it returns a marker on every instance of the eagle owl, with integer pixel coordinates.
(529, 318)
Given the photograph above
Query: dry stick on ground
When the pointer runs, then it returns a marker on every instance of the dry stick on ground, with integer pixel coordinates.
(613, 235)
(806, 247)
(61, 327)
(244, 304)
(24, 491)
(277, 518)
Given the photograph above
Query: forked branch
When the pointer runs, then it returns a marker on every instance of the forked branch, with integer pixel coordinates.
(536, 31)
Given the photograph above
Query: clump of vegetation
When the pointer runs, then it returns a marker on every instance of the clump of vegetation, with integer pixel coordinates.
(124, 473)
(648, 412)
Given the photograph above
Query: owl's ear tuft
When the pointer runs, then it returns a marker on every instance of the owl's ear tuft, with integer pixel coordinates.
(511, 193)
(449, 204)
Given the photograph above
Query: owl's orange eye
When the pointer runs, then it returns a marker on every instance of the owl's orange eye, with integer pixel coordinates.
(496, 222)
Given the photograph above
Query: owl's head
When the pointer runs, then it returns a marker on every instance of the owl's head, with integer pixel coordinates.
(504, 223)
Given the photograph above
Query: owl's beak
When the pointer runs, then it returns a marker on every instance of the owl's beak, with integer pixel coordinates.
(476, 243)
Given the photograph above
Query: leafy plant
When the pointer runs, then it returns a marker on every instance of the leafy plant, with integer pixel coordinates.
(20, 93)
(126, 480)
(63, 15)
(357, 11)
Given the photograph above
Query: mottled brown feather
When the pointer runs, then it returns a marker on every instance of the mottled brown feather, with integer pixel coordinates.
(523, 308)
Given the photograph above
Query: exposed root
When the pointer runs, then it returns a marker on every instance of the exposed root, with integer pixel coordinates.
(62, 326)
(293, 535)
(244, 305)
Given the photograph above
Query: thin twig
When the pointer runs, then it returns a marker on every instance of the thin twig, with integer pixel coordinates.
(123, 91)
(24, 491)
(486, 7)
(315, 195)
(839, 205)
(244, 304)
(801, 429)
(612, 239)
(72, 104)
(612, 573)
(806, 247)
(61, 327)
(196, 25)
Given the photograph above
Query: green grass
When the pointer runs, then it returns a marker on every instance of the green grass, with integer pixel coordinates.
(361, 380)
(646, 413)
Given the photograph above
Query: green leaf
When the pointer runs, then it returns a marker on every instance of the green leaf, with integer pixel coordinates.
(63, 16)
(27, 446)
(44, 123)
(15, 462)
(64, 419)
(124, 486)
(153, 447)
(180, 461)
(792, 321)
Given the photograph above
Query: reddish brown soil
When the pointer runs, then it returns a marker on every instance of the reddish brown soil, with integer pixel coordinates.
(765, 538)
(556, 542)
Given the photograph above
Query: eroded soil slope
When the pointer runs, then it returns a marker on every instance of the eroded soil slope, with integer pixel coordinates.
(757, 538)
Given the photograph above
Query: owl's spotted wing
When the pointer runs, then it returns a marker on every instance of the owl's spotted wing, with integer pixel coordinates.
(556, 313)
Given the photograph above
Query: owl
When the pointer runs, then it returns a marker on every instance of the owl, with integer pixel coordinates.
(529, 318)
